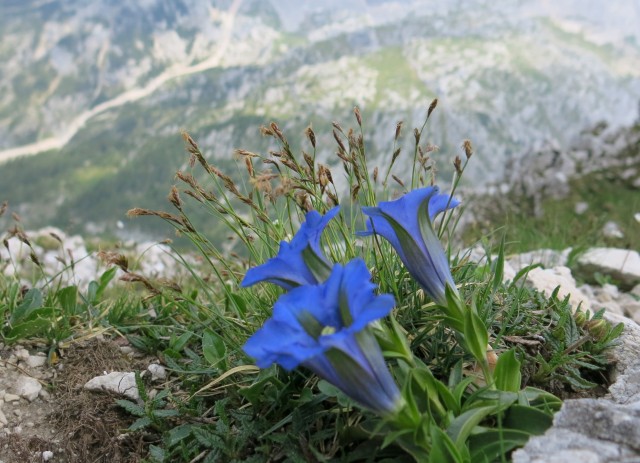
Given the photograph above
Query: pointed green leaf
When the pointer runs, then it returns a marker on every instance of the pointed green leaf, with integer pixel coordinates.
(31, 301)
(214, 349)
(462, 427)
(443, 450)
(527, 419)
(498, 267)
(476, 337)
(507, 373)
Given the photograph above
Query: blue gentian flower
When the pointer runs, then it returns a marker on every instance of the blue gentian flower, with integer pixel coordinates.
(299, 262)
(407, 224)
(324, 328)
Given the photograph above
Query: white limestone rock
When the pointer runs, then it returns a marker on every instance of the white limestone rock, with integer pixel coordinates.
(548, 258)
(621, 264)
(122, 383)
(547, 280)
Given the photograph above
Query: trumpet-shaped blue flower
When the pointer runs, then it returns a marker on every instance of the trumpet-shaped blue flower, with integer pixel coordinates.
(324, 328)
(299, 262)
(407, 224)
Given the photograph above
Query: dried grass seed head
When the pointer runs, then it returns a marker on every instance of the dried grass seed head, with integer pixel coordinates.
(432, 106)
(311, 135)
(398, 129)
(356, 111)
(468, 148)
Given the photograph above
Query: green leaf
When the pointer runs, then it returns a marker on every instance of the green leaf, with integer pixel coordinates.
(238, 302)
(31, 301)
(156, 453)
(507, 373)
(524, 271)
(205, 437)
(140, 423)
(92, 292)
(131, 407)
(443, 450)
(476, 337)
(178, 433)
(462, 427)
(615, 332)
(177, 344)
(164, 413)
(140, 385)
(214, 349)
(539, 399)
(527, 419)
(68, 299)
(492, 444)
(498, 267)
(104, 281)
(38, 326)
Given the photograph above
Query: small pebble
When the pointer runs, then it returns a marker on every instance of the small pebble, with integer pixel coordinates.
(581, 208)
(22, 354)
(47, 455)
(11, 397)
(158, 372)
(36, 361)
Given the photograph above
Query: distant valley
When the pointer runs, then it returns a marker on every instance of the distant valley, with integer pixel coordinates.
(93, 95)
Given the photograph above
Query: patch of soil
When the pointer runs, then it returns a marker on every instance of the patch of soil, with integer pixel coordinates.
(67, 423)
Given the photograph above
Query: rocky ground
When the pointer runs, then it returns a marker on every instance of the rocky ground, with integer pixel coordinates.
(60, 407)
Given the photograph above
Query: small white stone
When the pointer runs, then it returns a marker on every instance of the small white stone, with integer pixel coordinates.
(3, 419)
(158, 372)
(11, 397)
(47, 455)
(28, 387)
(36, 361)
(581, 207)
(22, 354)
(612, 230)
(636, 216)
(126, 350)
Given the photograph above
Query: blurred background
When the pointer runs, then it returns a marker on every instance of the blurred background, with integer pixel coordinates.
(94, 93)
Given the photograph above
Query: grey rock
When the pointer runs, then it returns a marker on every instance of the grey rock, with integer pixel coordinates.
(548, 258)
(116, 382)
(626, 354)
(621, 264)
(593, 430)
(566, 446)
(601, 419)
(547, 280)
